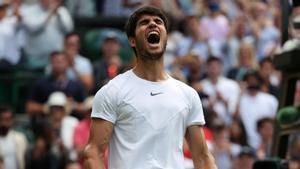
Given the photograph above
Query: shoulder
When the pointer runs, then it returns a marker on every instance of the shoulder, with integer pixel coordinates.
(82, 60)
(267, 96)
(116, 84)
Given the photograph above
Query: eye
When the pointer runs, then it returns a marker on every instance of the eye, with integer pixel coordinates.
(144, 22)
(158, 21)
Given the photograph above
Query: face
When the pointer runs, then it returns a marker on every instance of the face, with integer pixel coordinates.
(266, 130)
(266, 70)
(59, 64)
(110, 48)
(2, 12)
(72, 45)
(245, 55)
(6, 121)
(150, 37)
(214, 69)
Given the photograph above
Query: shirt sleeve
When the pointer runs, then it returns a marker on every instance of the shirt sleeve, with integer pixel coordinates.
(195, 116)
(105, 104)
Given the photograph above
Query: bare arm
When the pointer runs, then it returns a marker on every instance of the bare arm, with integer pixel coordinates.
(33, 108)
(202, 158)
(100, 133)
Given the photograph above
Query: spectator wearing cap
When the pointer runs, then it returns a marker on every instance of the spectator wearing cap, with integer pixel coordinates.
(62, 123)
(110, 63)
(13, 144)
(245, 158)
(10, 42)
(79, 67)
(56, 81)
(222, 149)
(254, 105)
(46, 23)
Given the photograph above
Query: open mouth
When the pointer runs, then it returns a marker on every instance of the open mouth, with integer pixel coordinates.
(153, 37)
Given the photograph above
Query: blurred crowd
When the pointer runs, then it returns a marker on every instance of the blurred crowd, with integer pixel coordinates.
(224, 49)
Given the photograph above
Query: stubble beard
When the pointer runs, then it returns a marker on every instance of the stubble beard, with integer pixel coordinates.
(147, 55)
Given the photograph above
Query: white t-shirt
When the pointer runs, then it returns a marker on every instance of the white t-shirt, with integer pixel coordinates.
(229, 89)
(8, 151)
(150, 120)
(254, 108)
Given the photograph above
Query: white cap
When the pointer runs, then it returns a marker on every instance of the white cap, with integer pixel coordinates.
(57, 99)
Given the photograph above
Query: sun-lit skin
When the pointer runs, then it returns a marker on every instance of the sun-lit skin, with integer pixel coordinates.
(144, 28)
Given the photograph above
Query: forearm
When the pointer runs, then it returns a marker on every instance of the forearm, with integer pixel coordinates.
(93, 159)
(205, 161)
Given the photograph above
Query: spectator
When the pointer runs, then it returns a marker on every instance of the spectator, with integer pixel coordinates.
(269, 77)
(45, 22)
(10, 42)
(238, 133)
(223, 93)
(110, 63)
(56, 81)
(79, 67)
(245, 159)
(246, 62)
(194, 44)
(42, 154)
(265, 33)
(265, 127)
(216, 27)
(13, 144)
(254, 105)
(62, 123)
(222, 149)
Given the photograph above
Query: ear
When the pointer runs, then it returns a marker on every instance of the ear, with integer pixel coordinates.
(131, 41)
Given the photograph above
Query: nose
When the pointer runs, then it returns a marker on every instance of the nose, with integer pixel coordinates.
(152, 23)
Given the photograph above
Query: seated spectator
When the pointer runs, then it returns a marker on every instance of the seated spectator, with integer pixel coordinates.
(222, 149)
(110, 63)
(56, 81)
(10, 42)
(54, 145)
(13, 144)
(60, 120)
(237, 37)
(254, 105)
(238, 133)
(79, 67)
(46, 24)
(269, 77)
(265, 127)
(223, 93)
(246, 62)
(43, 154)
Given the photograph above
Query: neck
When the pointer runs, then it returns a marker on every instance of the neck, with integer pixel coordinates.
(214, 80)
(152, 70)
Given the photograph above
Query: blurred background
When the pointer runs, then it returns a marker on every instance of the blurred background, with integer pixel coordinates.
(241, 56)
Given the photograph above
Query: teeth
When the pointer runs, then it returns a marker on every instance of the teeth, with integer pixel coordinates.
(153, 32)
